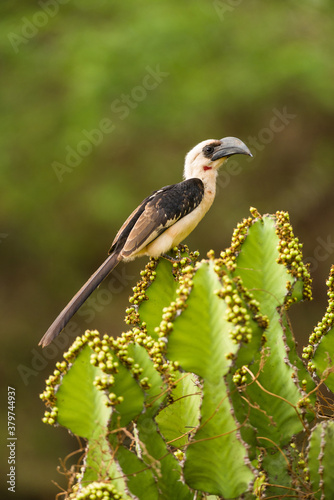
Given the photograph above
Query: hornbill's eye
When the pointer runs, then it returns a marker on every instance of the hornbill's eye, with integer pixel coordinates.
(208, 150)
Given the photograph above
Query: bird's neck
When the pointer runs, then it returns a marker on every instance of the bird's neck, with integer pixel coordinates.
(208, 176)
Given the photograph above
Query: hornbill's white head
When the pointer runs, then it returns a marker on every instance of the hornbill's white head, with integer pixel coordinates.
(205, 158)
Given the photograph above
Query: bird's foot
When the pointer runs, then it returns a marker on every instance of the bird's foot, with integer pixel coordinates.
(179, 260)
(170, 258)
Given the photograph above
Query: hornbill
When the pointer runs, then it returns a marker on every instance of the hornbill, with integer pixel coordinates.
(162, 220)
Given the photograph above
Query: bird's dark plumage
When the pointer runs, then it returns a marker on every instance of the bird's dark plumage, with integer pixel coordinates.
(156, 213)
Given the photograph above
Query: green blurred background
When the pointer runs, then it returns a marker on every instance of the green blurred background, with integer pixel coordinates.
(156, 78)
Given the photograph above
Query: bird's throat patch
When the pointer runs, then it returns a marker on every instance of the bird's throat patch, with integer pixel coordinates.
(205, 168)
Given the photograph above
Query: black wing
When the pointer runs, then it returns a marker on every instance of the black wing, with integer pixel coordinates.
(156, 213)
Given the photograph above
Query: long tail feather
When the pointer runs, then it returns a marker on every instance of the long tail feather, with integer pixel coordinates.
(79, 298)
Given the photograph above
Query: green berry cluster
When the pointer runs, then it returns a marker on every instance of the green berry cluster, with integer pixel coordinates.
(324, 325)
(304, 402)
(242, 308)
(139, 291)
(300, 471)
(240, 377)
(184, 255)
(252, 303)
(77, 345)
(255, 214)
(290, 255)
(120, 347)
(105, 359)
(236, 312)
(169, 313)
(96, 491)
(102, 356)
(50, 417)
(176, 307)
(179, 454)
(239, 235)
(52, 383)
(148, 276)
(156, 347)
(211, 255)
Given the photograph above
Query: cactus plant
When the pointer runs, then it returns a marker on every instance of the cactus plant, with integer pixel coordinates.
(204, 396)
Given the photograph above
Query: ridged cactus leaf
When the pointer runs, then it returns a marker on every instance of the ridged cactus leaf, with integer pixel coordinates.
(201, 343)
(275, 395)
(140, 480)
(320, 460)
(155, 387)
(327, 460)
(320, 351)
(256, 264)
(82, 409)
(211, 465)
(161, 477)
(165, 467)
(201, 333)
(100, 465)
(304, 380)
(323, 359)
(181, 415)
(131, 401)
(278, 479)
(313, 461)
(160, 294)
(81, 406)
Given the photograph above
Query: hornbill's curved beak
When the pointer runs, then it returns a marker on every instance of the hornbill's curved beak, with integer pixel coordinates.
(231, 146)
